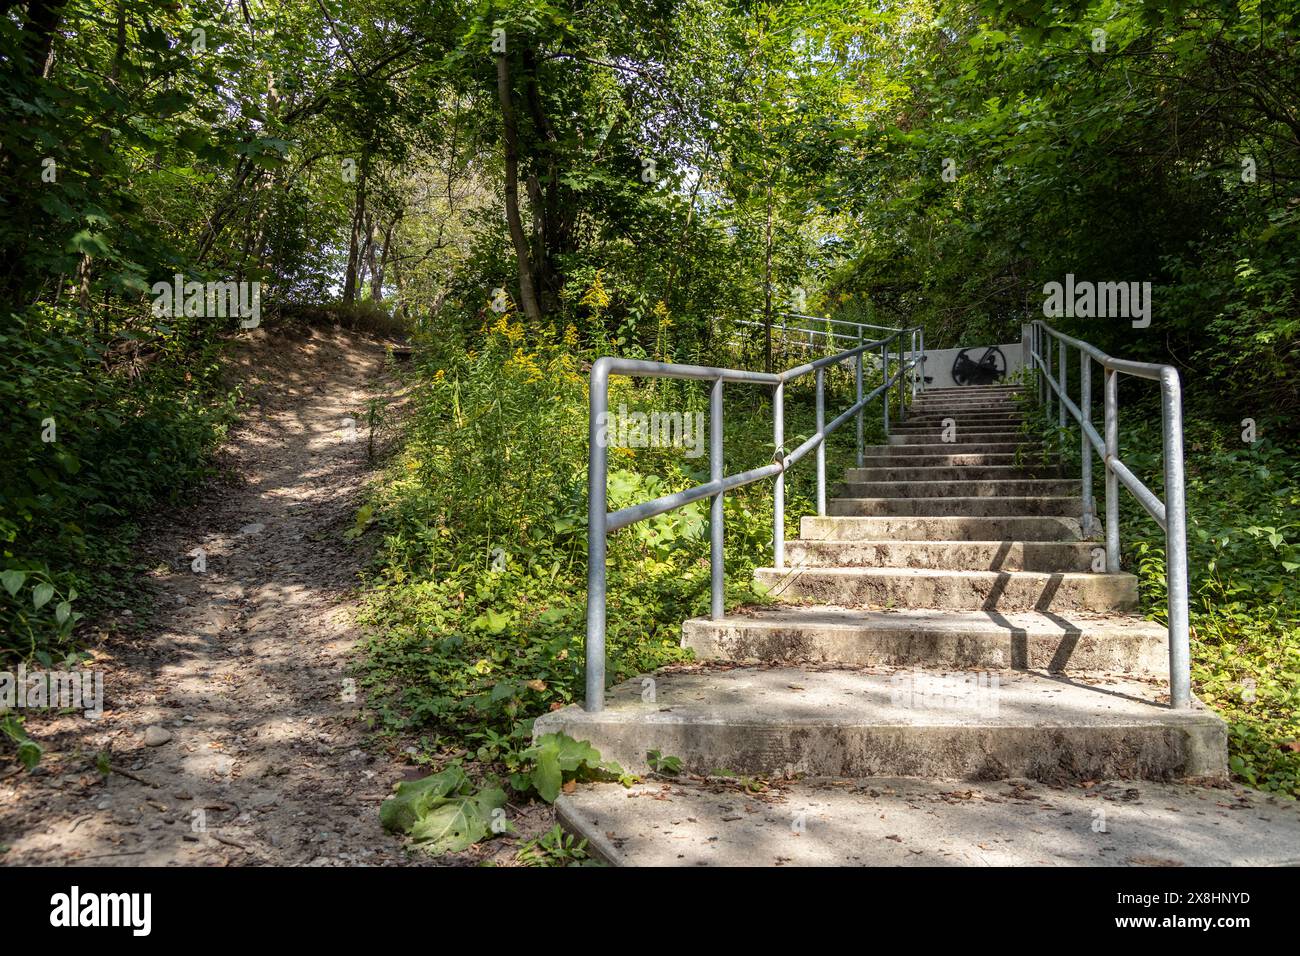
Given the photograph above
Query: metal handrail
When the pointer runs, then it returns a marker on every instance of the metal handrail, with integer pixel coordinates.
(799, 330)
(848, 322)
(600, 521)
(1171, 515)
(917, 333)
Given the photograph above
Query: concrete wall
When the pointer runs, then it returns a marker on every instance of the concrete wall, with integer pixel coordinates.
(938, 362)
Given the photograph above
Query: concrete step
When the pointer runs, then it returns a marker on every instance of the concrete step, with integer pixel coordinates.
(1001, 401)
(899, 821)
(962, 590)
(1075, 642)
(956, 402)
(961, 413)
(940, 528)
(956, 430)
(963, 419)
(939, 472)
(1001, 404)
(898, 459)
(975, 390)
(965, 436)
(964, 447)
(855, 723)
(949, 488)
(1060, 507)
(952, 555)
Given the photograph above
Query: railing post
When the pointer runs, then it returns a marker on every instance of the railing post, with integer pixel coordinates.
(1035, 346)
(1085, 446)
(821, 446)
(1044, 355)
(1047, 372)
(1038, 364)
(884, 380)
(902, 380)
(857, 375)
(911, 374)
(716, 473)
(1111, 401)
(597, 508)
(921, 333)
(1180, 680)
(1062, 373)
(778, 503)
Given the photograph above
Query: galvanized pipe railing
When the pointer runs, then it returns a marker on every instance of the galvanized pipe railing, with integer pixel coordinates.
(831, 336)
(601, 521)
(1170, 514)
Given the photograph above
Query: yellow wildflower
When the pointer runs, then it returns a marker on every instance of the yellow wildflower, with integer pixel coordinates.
(596, 297)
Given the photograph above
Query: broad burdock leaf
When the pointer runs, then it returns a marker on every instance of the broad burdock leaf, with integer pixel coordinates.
(413, 798)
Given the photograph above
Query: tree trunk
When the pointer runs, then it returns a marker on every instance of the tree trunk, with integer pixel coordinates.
(39, 33)
(552, 233)
(527, 291)
(354, 237)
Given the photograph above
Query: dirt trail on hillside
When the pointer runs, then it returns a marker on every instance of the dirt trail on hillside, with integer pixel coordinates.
(229, 701)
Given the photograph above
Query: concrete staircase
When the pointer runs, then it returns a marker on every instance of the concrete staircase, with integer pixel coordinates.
(942, 620)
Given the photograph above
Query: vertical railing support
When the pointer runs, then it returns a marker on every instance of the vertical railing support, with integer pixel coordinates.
(716, 473)
(1042, 366)
(902, 379)
(778, 503)
(1062, 374)
(596, 511)
(884, 380)
(911, 375)
(1036, 351)
(821, 446)
(921, 334)
(857, 375)
(1180, 681)
(1085, 446)
(1047, 371)
(1111, 402)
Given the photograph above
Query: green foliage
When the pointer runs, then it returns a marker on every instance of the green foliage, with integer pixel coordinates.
(442, 813)
(555, 848)
(1065, 158)
(1243, 530)
(11, 732)
(555, 759)
(669, 766)
(477, 603)
(85, 451)
(1243, 515)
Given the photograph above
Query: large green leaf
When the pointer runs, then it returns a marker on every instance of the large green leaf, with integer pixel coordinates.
(13, 580)
(554, 755)
(403, 810)
(453, 824)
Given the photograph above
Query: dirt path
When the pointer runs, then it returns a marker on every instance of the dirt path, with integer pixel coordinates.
(239, 676)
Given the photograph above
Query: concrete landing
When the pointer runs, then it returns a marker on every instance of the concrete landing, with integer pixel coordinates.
(892, 822)
(871, 722)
